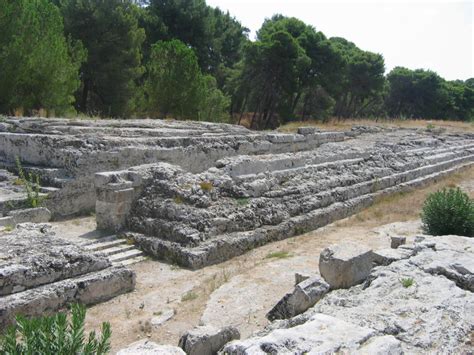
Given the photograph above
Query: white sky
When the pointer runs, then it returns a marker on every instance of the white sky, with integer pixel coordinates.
(436, 35)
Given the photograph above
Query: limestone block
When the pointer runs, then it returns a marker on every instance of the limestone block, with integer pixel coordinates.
(6, 221)
(308, 130)
(321, 334)
(33, 215)
(304, 296)
(301, 276)
(388, 255)
(162, 318)
(207, 340)
(145, 347)
(396, 241)
(345, 265)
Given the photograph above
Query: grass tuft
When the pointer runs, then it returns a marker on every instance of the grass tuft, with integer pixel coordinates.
(278, 255)
(407, 282)
(189, 296)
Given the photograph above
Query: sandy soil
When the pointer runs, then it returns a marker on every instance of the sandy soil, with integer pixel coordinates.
(240, 291)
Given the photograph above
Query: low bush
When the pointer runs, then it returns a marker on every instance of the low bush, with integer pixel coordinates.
(448, 211)
(55, 335)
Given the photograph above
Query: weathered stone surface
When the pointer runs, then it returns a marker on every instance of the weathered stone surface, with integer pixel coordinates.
(396, 241)
(436, 313)
(301, 276)
(207, 340)
(381, 345)
(30, 257)
(345, 265)
(91, 288)
(162, 318)
(388, 256)
(249, 200)
(150, 348)
(33, 215)
(384, 315)
(320, 334)
(42, 273)
(304, 296)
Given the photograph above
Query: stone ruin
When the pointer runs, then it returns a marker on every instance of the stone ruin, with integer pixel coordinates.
(416, 298)
(41, 273)
(190, 193)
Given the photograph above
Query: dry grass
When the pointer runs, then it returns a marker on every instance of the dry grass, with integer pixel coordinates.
(404, 206)
(346, 124)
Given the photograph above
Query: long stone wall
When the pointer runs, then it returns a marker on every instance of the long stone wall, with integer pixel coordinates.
(67, 153)
(198, 219)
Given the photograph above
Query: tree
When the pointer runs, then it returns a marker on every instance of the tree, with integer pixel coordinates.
(175, 85)
(173, 80)
(109, 31)
(289, 69)
(424, 94)
(363, 80)
(38, 66)
(216, 37)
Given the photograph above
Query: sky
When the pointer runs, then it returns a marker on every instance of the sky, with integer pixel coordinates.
(436, 35)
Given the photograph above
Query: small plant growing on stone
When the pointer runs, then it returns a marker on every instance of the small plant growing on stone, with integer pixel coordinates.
(242, 201)
(32, 186)
(178, 200)
(189, 296)
(206, 186)
(55, 335)
(407, 282)
(8, 228)
(448, 211)
(430, 126)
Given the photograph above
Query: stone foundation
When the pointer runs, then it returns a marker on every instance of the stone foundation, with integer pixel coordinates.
(198, 219)
(41, 273)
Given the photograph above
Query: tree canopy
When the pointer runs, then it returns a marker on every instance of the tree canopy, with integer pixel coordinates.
(188, 60)
(38, 65)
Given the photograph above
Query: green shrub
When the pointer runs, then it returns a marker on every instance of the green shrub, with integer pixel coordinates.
(32, 186)
(55, 335)
(448, 211)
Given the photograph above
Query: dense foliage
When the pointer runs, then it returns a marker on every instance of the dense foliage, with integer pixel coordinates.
(187, 60)
(55, 335)
(448, 211)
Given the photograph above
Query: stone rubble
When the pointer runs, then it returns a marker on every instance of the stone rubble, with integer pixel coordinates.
(345, 265)
(150, 348)
(207, 340)
(304, 296)
(42, 273)
(422, 303)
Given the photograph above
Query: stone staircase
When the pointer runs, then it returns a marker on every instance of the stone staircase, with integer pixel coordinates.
(287, 195)
(118, 250)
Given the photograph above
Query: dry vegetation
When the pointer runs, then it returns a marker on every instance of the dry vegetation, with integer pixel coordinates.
(346, 124)
(406, 206)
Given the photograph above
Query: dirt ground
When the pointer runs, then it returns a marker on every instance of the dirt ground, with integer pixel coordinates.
(241, 291)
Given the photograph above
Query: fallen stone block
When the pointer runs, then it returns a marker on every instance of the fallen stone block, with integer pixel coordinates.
(388, 256)
(345, 265)
(308, 130)
(321, 334)
(300, 277)
(150, 348)
(87, 289)
(304, 296)
(396, 241)
(162, 318)
(207, 340)
(33, 215)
